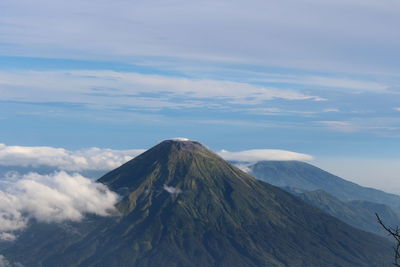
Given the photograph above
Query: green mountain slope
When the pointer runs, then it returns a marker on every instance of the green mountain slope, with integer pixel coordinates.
(185, 206)
(358, 213)
(304, 176)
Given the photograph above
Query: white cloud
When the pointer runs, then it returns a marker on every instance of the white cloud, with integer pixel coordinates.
(263, 154)
(62, 159)
(6, 263)
(244, 167)
(7, 237)
(397, 108)
(50, 198)
(172, 190)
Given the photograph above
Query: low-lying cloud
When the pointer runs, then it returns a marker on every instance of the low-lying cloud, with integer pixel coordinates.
(255, 155)
(4, 262)
(50, 198)
(108, 159)
(172, 190)
(62, 159)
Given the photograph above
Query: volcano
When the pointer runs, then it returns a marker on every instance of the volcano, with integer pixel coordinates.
(182, 205)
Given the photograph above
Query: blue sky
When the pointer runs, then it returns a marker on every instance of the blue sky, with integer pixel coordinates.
(315, 77)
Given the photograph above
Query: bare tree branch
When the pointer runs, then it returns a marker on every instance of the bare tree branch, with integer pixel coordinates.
(395, 233)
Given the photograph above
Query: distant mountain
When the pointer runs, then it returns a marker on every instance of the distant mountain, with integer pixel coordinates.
(183, 205)
(304, 176)
(358, 213)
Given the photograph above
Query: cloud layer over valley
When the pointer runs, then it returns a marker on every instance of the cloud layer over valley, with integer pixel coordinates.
(50, 198)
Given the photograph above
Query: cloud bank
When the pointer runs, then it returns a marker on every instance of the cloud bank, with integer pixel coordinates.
(263, 154)
(62, 159)
(108, 159)
(50, 198)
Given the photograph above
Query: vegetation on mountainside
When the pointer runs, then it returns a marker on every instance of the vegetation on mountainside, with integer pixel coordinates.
(213, 214)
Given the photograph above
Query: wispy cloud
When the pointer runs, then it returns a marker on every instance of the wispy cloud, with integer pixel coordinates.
(378, 125)
(331, 110)
(342, 126)
(279, 111)
(136, 90)
(255, 155)
(50, 198)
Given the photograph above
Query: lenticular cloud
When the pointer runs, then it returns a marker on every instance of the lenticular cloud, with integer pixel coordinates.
(50, 198)
(255, 155)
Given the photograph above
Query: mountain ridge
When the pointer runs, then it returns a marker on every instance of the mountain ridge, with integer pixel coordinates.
(358, 213)
(297, 174)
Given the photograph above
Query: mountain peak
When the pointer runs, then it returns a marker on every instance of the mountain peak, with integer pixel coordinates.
(181, 143)
(172, 147)
(183, 205)
(175, 163)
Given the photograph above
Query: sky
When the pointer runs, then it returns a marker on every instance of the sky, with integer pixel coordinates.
(319, 78)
